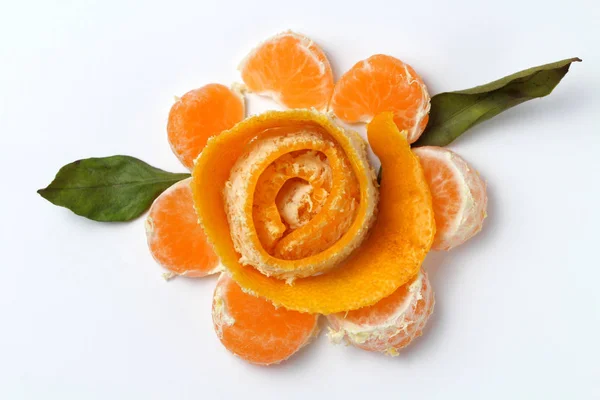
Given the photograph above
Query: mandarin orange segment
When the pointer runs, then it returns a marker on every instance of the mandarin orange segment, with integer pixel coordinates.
(254, 330)
(459, 196)
(291, 69)
(176, 240)
(383, 83)
(390, 324)
(388, 258)
(200, 114)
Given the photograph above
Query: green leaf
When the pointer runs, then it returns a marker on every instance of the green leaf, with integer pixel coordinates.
(453, 113)
(117, 188)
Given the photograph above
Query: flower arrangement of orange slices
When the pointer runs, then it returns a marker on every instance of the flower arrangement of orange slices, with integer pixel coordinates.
(290, 211)
(287, 208)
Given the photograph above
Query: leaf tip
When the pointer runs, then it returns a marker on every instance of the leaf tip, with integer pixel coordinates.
(46, 194)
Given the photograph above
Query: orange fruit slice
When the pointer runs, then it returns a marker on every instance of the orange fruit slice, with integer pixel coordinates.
(175, 238)
(383, 83)
(200, 114)
(388, 258)
(254, 330)
(459, 196)
(291, 69)
(390, 324)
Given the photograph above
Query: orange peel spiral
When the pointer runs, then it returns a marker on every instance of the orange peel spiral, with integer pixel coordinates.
(352, 269)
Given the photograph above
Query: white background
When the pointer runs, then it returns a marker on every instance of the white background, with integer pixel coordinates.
(84, 312)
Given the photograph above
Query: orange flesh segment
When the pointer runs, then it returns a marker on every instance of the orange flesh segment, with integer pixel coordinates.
(291, 69)
(390, 324)
(254, 330)
(387, 259)
(175, 238)
(459, 196)
(383, 83)
(200, 114)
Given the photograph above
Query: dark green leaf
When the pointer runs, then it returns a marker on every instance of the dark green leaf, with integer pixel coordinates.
(453, 113)
(117, 188)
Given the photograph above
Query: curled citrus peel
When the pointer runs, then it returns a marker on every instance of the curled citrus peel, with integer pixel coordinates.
(268, 177)
(293, 195)
(391, 255)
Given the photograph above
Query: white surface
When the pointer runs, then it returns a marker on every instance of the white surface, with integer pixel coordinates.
(84, 311)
